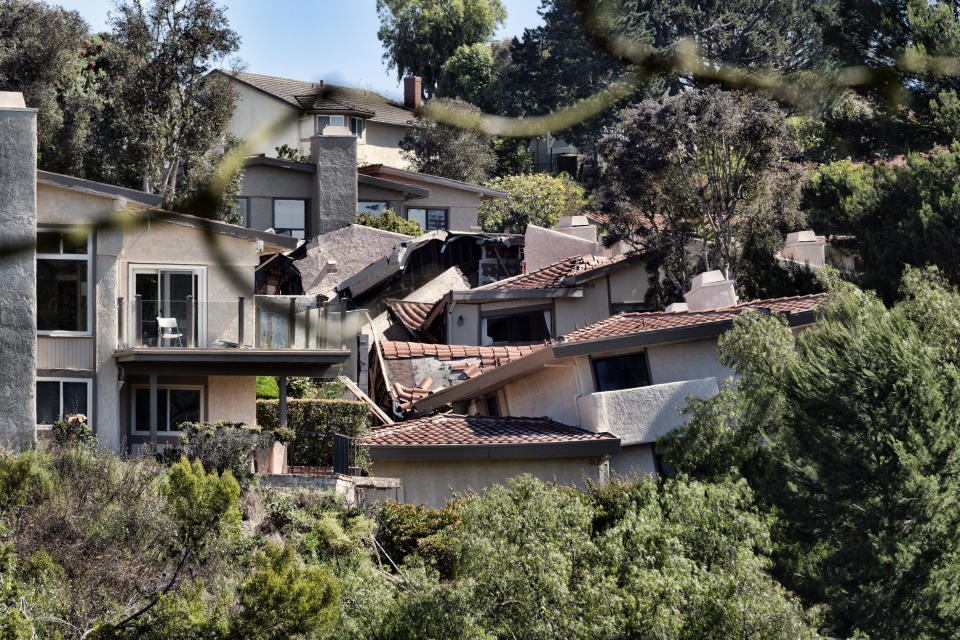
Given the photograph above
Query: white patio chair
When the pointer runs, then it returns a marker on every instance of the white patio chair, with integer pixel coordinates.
(169, 331)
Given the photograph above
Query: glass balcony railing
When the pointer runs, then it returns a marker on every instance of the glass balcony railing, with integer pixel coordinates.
(265, 322)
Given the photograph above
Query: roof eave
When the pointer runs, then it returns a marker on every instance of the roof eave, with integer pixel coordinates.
(559, 449)
(477, 295)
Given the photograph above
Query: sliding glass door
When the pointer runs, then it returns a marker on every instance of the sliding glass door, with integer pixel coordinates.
(176, 293)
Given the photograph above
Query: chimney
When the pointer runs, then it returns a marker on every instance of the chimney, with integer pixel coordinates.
(333, 202)
(578, 227)
(18, 306)
(805, 247)
(412, 92)
(709, 290)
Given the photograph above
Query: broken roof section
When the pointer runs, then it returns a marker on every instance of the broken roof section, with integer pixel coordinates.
(333, 257)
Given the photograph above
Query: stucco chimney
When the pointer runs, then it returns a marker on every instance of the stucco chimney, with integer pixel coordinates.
(710, 290)
(18, 305)
(334, 196)
(412, 92)
(805, 246)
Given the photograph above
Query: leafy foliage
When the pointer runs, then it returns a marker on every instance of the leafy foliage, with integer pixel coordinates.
(223, 446)
(315, 421)
(467, 75)
(536, 198)
(390, 221)
(419, 36)
(447, 151)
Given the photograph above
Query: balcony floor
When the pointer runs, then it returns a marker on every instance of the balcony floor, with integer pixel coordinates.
(226, 361)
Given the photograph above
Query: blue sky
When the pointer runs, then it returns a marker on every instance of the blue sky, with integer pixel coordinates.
(315, 39)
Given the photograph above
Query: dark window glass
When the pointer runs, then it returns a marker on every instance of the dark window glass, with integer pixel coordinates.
(48, 402)
(142, 413)
(493, 407)
(429, 219)
(621, 372)
(290, 218)
(74, 244)
(356, 126)
(629, 306)
(525, 327)
(48, 242)
(184, 407)
(61, 295)
(74, 398)
(241, 205)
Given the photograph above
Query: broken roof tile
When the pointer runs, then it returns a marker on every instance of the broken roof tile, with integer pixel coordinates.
(452, 429)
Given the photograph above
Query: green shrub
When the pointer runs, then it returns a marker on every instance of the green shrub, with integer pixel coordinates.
(73, 431)
(389, 221)
(314, 422)
(267, 387)
(224, 446)
(406, 529)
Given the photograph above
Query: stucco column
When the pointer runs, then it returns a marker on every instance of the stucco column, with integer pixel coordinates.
(153, 411)
(18, 305)
(334, 198)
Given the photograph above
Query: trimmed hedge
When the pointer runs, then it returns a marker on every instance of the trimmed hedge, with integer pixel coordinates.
(315, 420)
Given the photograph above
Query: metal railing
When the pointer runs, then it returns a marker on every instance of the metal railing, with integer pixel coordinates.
(326, 453)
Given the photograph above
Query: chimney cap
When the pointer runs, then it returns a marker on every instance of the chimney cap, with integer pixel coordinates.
(801, 236)
(12, 100)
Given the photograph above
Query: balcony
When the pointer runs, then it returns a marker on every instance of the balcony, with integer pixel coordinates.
(642, 414)
(270, 335)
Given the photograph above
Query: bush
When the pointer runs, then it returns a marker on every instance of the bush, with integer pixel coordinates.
(405, 530)
(314, 422)
(389, 221)
(73, 431)
(536, 198)
(224, 446)
(267, 387)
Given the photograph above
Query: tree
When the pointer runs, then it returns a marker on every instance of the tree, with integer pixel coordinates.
(419, 36)
(850, 435)
(43, 55)
(467, 75)
(558, 63)
(164, 113)
(389, 221)
(513, 156)
(447, 151)
(706, 165)
(536, 198)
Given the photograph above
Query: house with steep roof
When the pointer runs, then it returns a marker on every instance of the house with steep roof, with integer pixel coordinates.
(455, 453)
(626, 375)
(272, 112)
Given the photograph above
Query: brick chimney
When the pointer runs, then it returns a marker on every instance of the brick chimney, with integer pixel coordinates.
(710, 290)
(18, 307)
(412, 92)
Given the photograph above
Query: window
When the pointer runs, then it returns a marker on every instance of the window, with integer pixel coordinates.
(174, 291)
(175, 405)
(241, 205)
(373, 208)
(356, 127)
(63, 282)
(493, 406)
(290, 218)
(621, 372)
(618, 307)
(429, 219)
(61, 398)
(527, 326)
(323, 121)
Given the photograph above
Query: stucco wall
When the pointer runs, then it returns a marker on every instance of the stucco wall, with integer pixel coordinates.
(542, 247)
(432, 482)
(578, 312)
(334, 183)
(552, 391)
(232, 398)
(461, 205)
(635, 459)
(261, 184)
(629, 284)
(686, 361)
(18, 306)
(256, 111)
(381, 145)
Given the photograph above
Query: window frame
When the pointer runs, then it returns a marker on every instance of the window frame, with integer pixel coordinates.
(306, 216)
(358, 126)
(199, 270)
(426, 216)
(88, 258)
(60, 380)
(516, 311)
(316, 122)
(596, 377)
(246, 206)
(168, 432)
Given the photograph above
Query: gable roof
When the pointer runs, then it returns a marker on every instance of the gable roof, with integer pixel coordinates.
(414, 178)
(98, 188)
(320, 97)
(454, 436)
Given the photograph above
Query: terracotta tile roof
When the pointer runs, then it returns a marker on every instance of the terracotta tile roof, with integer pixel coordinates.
(453, 429)
(411, 314)
(636, 322)
(318, 96)
(489, 356)
(554, 276)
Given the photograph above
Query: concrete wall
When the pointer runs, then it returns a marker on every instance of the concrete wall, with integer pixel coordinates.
(18, 307)
(629, 284)
(634, 459)
(542, 247)
(552, 392)
(232, 398)
(432, 482)
(381, 145)
(578, 312)
(256, 112)
(461, 205)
